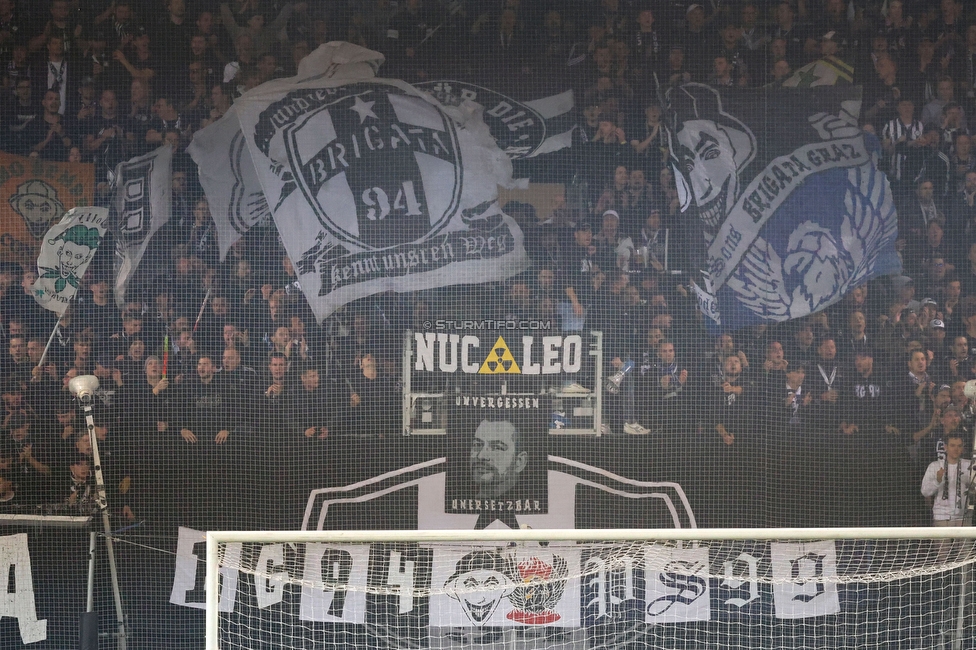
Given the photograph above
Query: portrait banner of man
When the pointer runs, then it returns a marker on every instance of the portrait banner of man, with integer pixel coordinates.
(36, 194)
(496, 466)
(792, 208)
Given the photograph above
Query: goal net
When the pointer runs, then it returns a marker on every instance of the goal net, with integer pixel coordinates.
(735, 588)
(462, 264)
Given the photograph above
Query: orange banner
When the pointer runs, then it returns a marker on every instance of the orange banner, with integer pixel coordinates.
(34, 195)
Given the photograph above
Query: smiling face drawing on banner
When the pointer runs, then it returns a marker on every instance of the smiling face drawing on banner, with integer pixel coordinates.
(77, 246)
(480, 581)
(75, 251)
(794, 237)
(711, 149)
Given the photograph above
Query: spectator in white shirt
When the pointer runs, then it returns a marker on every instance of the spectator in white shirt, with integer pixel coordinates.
(946, 484)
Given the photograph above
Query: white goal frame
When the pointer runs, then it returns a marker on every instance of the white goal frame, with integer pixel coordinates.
(215, 538)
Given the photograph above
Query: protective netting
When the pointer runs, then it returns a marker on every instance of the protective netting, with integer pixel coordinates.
(783, 593)
(449, 264)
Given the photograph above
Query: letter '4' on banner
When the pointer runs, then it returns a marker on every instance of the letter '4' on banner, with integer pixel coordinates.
(792, 208)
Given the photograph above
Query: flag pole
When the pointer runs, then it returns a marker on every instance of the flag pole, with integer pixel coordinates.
(453, 8)
(206, 299)
(165, 354)
(50, 338)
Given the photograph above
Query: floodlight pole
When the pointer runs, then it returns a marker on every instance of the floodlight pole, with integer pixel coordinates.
(120, 634)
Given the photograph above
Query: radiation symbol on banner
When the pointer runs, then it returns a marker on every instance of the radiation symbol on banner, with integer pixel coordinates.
(499, 360)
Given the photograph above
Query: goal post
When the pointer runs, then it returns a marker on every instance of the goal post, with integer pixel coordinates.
(593, 589)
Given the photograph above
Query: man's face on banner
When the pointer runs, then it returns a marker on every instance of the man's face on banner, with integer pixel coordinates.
(707, 165)
(70, 257)
(496, 461)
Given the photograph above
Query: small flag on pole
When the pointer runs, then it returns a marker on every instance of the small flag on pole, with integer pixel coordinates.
(165, 354)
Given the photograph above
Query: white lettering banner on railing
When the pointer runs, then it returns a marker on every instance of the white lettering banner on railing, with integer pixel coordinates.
(802, 579)
(19, 603)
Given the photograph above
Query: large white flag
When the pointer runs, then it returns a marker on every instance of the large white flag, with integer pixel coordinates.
(523, 129)
(373, 184)
(142, 204)
(228, 179)
(226, 169)
(66, 252)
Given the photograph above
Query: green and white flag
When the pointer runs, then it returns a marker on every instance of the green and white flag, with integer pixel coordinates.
(65, 254)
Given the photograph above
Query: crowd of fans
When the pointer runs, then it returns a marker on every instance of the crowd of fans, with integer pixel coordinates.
(847, 406)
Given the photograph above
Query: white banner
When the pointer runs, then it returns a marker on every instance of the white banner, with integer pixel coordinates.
(677, 588)
(504, 587)
(334, 587)
(804, 579)
(66, 251)
(191, 566)
(373, 184)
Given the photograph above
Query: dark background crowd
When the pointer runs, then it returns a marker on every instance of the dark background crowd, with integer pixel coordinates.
(832, 418)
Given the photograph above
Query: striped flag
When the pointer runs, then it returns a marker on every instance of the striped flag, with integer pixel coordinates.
(828, 71)
(142, 204)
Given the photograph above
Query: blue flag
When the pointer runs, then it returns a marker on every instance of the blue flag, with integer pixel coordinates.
(793, 210)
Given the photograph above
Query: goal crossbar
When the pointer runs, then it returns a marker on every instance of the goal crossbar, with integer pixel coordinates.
(591, 535)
